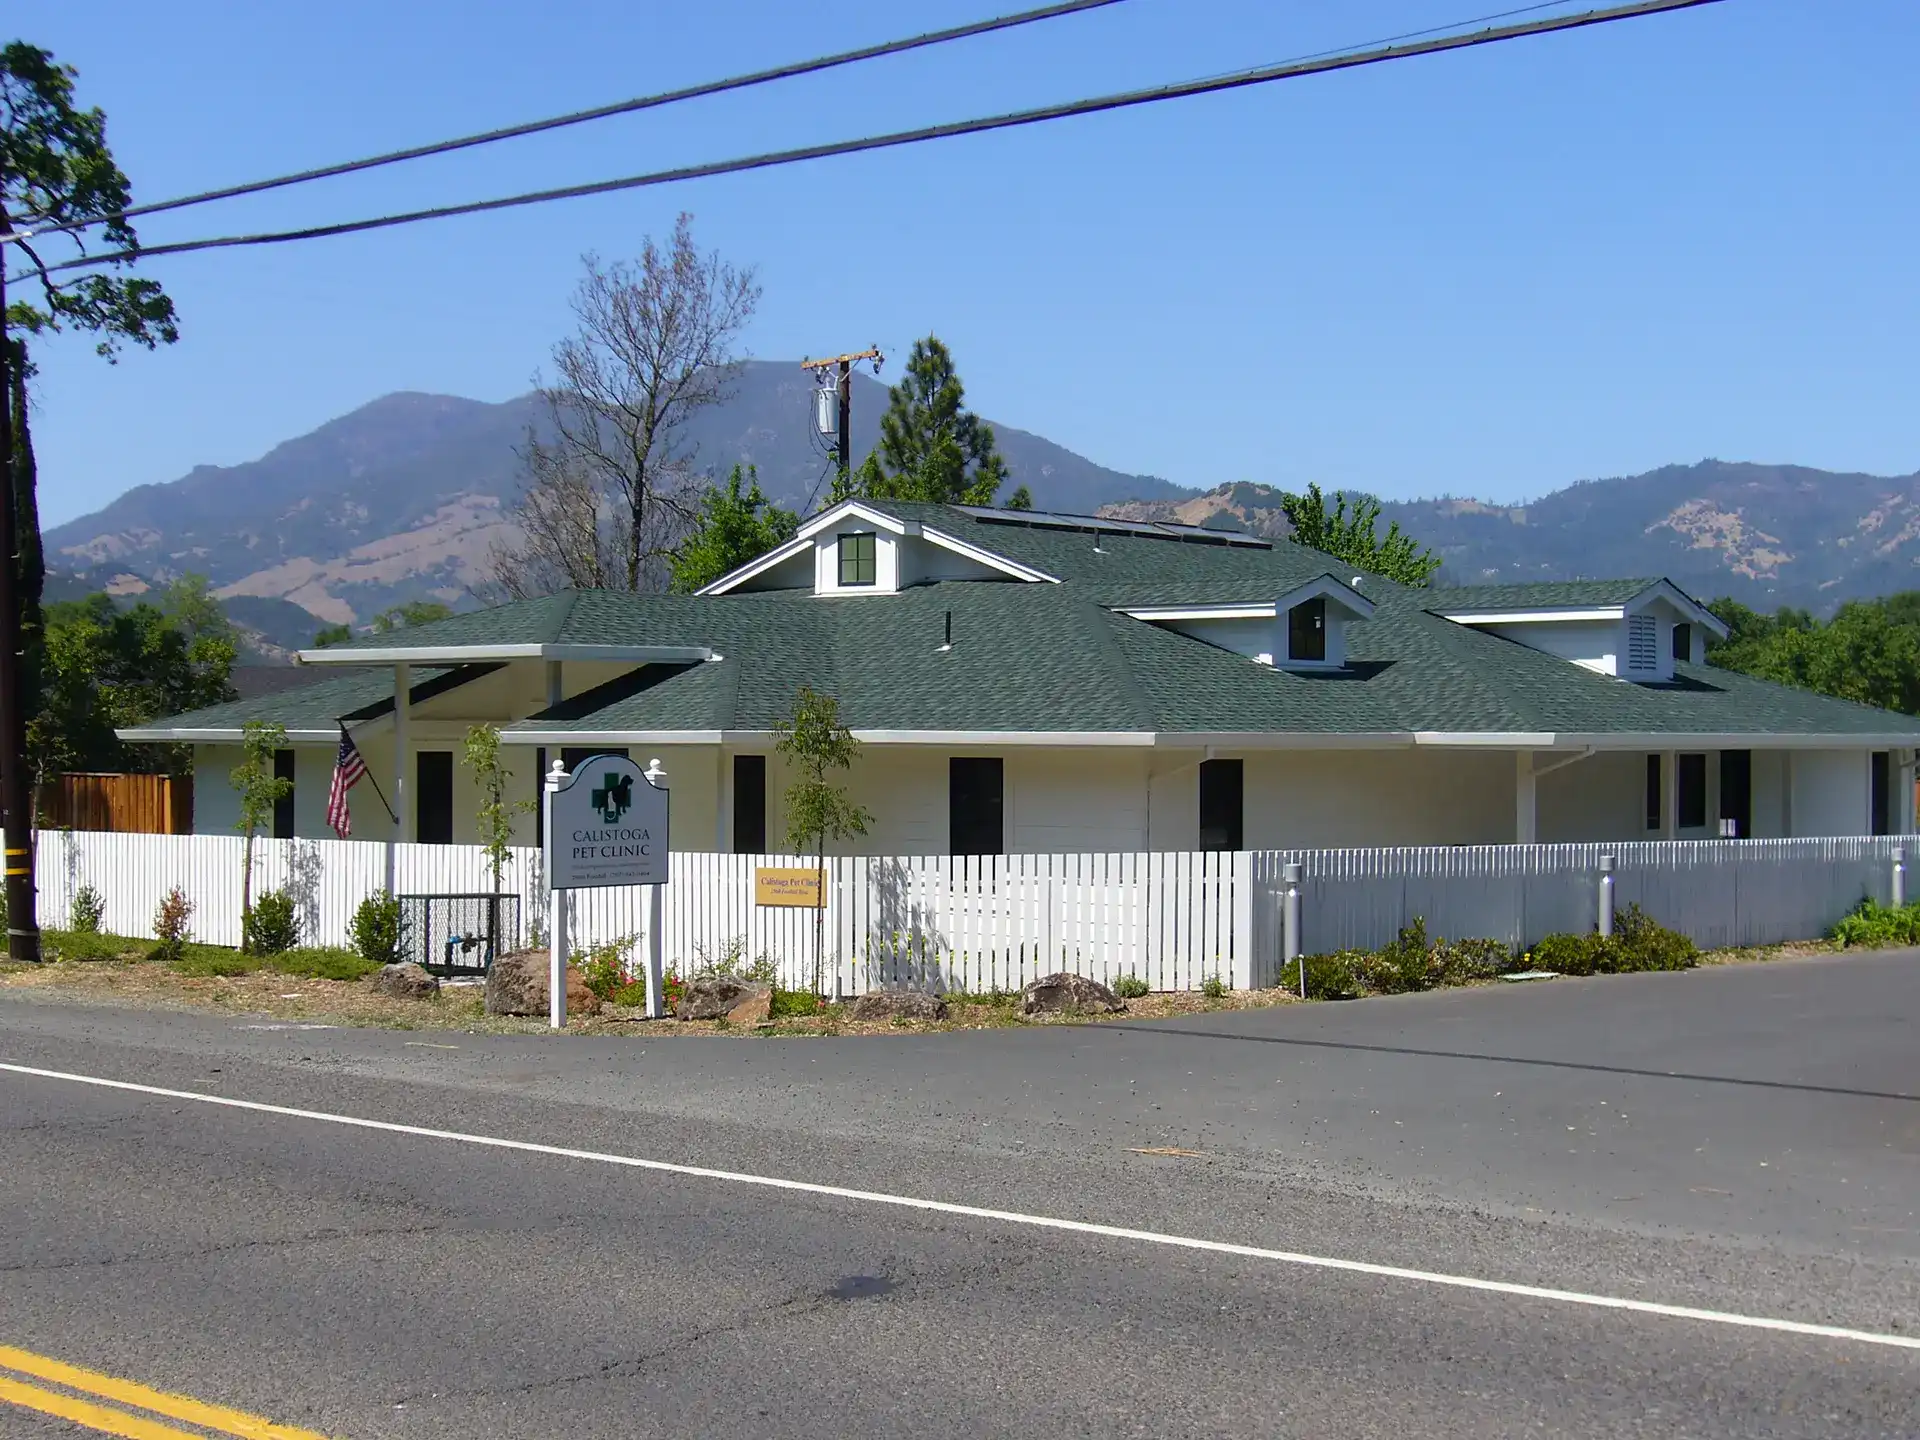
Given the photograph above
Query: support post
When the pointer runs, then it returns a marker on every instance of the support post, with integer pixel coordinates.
(1290, 922)
(1604, 922)
(402, 792)
(1525, 791)
(556, 915)
(1899, 877)
(656, 924)
(1670, 795)
(16, 784)
(845, 445)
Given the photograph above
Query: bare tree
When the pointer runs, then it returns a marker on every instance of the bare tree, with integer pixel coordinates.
(610, 486)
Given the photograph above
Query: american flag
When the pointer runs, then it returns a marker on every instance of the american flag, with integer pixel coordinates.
(348, 769)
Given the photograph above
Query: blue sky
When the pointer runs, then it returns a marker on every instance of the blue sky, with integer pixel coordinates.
(1488, 273)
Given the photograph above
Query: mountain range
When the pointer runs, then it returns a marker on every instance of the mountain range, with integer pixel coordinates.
(403, 498)
(1768, 535)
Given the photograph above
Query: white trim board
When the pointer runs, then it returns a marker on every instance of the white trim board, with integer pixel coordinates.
(470, 654)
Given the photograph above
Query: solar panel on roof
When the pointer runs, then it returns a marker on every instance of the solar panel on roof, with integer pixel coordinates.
(1106, 525)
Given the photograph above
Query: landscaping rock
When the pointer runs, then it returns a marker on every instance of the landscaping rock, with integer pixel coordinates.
(517, 985)
(753, 1008)
(405, 981)
(1065, 994)
(898, 1005)
(717, 997)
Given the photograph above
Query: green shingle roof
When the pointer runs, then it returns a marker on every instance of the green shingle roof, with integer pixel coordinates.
(1058, 657)
(1536, 595)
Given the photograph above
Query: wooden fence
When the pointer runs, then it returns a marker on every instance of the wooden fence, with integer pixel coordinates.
(130, 804)
(980, 923)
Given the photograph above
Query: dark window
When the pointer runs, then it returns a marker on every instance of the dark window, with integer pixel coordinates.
(1683, 642)
(1882, 816)
(540, 798)
(1736, 791)
(749, 804)
(976, 791)
(574, 756)
(433, 797)
(283, 807)
(1692, 775)
(857, 560)
(1307, 630)
(1653, 792)
(1221, 789)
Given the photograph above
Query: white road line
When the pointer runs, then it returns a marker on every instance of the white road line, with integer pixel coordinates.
(1013, 1217)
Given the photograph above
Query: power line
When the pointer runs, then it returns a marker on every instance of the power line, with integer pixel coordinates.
(602, 112)
(1288, 70)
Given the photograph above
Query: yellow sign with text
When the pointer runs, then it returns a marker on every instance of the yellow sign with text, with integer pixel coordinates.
(775, 885)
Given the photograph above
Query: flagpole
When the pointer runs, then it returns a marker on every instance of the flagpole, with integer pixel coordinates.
(346, 735)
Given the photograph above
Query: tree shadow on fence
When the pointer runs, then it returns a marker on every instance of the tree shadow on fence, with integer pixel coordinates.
(903, 947)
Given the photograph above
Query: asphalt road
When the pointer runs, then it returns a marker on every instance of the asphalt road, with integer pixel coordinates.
(1744, 1141)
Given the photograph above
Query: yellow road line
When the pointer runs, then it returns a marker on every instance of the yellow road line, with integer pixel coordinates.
(84, 1412)
(129, 1392)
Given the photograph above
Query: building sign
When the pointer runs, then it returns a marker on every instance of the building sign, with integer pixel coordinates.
(606, 826)
(775, 885)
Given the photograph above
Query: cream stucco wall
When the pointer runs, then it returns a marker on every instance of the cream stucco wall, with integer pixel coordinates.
(1071, 799)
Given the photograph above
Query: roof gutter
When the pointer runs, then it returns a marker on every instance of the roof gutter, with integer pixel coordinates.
(471, 654)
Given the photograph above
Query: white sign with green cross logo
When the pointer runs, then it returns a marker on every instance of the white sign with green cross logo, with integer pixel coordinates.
(607, 825)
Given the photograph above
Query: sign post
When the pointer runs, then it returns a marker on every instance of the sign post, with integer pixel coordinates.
(606, 825)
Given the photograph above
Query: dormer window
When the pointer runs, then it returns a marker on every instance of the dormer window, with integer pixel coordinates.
(1307, 630)
(859, 564)
(1683, 641)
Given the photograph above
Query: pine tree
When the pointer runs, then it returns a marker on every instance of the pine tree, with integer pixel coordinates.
(931, 446)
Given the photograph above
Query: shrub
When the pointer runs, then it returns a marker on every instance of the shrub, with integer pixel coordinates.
(1638, 942)
(1405, 963)
(1130, 987)
(1459, 962)
(376, 930)
(84, 915)
(81, 945)
(605, 968)
(1642, 943)
(731, 963)
(170, 920)
(1871, 923)
(632, 992)
(795, 1002)
(272, 926)
(1329, 977)
(322, 962)
(1213, 987)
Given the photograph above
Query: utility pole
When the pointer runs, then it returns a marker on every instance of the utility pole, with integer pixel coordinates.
(16, 791)
(840, 369)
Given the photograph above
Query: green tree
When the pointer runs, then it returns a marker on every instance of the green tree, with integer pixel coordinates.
(815, 743)
(494, 814)
(332, 635)
(259, 790)
(729, 530)
(108, 667)
(1869, 652)
(407, 615)
(55, 171)
(1350, 535)
(931, 446)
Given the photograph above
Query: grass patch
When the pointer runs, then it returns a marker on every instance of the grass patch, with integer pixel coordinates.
(981, 997)
(88, 945)
(214, 961)
(322, 962)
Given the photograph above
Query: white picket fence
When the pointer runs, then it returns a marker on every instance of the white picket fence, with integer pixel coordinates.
(983, 923)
